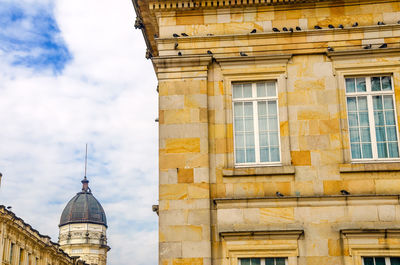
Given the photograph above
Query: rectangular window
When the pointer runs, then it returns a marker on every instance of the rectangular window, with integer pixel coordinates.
(12, 252)
(381, 261)
(256, 123)
(372, 118)
(263, 261)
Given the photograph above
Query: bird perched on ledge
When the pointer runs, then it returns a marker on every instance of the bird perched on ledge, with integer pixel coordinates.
(344, 192)
(278, 194)
(242, 54)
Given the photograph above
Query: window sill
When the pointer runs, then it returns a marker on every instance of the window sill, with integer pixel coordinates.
(258, 171)
(369, 167)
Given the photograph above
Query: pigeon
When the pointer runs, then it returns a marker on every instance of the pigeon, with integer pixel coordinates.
(331, 26)
(344, 192)
(285, 29)
(179, 54)
(176, 46)
(383, 46)
(175, 35)
(279, 194)
(317, 27)
(355, 25)
(381, 23)
(242, 54)
(276, 30)
(210, 34)
(330, 49)
(367, 47)
(184, 35)
(398, 22)
(209, 52)
(253, 31)
(298, 28)
(341, 26)
(9, 207)
(155, 36)
(291, 30)
(157, 120)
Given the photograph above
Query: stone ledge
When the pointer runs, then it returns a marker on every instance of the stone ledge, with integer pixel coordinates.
(258, 171)
(270, 233)
(369, 167)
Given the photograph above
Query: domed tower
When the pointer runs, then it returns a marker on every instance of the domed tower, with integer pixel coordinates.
(83, 227)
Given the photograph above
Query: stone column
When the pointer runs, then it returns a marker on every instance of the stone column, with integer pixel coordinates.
(184, 191)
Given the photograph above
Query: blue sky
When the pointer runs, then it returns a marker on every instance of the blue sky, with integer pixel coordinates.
(73, 72)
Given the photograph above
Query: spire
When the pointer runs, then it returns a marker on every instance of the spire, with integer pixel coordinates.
(85, 185)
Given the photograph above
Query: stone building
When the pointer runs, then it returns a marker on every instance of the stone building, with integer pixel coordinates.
(278, 130)
(83, 227)
(20, 244)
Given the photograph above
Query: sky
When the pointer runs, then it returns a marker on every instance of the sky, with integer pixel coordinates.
(71, 73)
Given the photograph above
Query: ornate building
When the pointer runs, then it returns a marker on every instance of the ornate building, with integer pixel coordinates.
(83, 227)
(278, 130)
(20, 244)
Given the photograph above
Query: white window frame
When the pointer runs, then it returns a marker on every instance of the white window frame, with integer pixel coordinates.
(387, 259)
(255, 123)
(263, 260)
(369, 94)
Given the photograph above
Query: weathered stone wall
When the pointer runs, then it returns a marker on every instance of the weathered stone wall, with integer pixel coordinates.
(212, 212)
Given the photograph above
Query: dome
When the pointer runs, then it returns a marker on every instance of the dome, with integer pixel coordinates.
(83, 208)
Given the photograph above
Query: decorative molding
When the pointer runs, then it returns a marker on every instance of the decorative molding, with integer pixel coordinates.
(366, 53)
(258, 171)
(270, 234)
(369, 167)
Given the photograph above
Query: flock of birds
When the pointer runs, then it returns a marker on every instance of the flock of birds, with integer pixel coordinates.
(285, 29)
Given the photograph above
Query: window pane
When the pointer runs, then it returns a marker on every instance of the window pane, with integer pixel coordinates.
(261, 91)
(264, 154)
(380, 261)
(274, 154)
(389, 115)
(350, 85)
(393, 150)
(364, 121)
(273, 139)
(366, 150)
(379, 119)
(376, 84)
(239, 125)
(388, 102)
(248, 109)
(391, 133)
(377, 102)
(365, 135)
(394, 261)
(237, 91)
(271, 89)
(386, 83)
(354, 135)
(351, 104)
(248, 124)
(247, 91)
(262, 124)
(280, 261)
(355, 151)
(262, 108)
(382, 150)
(272, 124)
(255, 261)
(250, 156)
(272, 108)
(368, 261)
(249, 140)
(269, 261)
(380, 134)
(239, 143)
(362, 103)
(263, 139)
(238, 109)
(353, 119)
(247, 262)
(361, 86)
(240, 156)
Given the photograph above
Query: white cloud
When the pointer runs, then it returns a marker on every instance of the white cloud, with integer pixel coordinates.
(105, 97)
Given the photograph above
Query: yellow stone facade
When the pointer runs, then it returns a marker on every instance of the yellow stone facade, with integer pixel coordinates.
(213, 211)
(20, 244)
